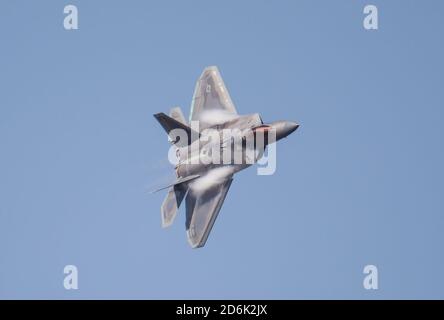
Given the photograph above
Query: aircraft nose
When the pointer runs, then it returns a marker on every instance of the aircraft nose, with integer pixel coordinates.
(284, 128)
(290, 127)
(287, 127)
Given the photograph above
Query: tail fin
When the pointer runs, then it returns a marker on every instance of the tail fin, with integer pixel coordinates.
(176, 114)
(169, 124)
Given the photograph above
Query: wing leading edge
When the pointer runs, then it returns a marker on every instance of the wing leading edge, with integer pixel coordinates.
(210, 94)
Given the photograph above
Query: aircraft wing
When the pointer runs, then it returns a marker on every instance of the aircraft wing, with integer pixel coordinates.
(202, 207)
(210, 94)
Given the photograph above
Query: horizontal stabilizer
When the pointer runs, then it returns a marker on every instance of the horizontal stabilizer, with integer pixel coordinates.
(172, 203)
(179, 181)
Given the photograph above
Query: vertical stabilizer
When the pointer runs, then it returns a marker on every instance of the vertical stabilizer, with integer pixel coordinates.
(177, 114)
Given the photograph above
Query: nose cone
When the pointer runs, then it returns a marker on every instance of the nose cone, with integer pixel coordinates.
(284, 128)
(290, 127)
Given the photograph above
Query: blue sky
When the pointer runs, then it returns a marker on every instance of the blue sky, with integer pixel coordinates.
(361, 181)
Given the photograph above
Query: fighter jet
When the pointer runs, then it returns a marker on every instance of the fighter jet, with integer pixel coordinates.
(204, 184)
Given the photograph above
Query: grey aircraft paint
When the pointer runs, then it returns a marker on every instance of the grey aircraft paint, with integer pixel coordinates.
(213, 108)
